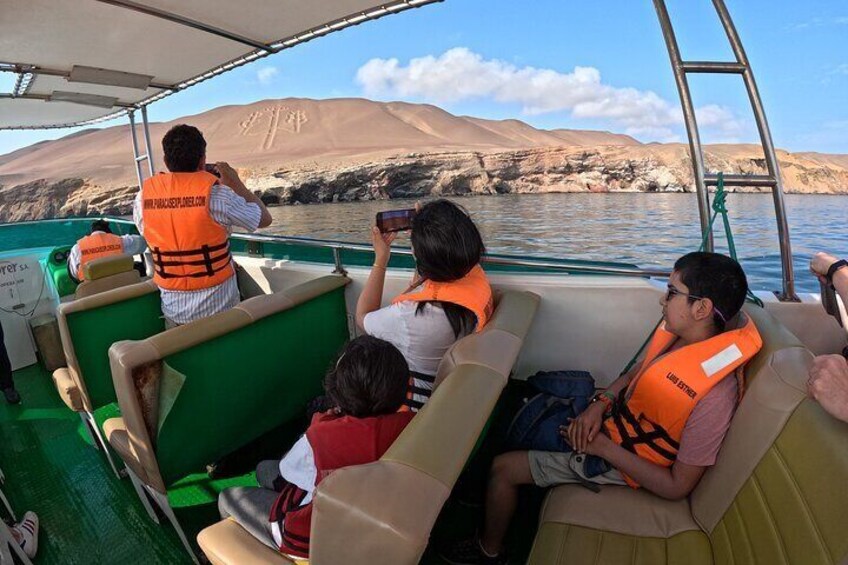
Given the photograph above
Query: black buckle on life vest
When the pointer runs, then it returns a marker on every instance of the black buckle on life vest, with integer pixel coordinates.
(648, 438)
(207, 260)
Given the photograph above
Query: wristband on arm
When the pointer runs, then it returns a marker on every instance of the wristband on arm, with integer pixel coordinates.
(832, 270)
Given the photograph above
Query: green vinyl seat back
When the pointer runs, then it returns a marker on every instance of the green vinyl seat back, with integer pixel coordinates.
(89, 326)
(212, 386)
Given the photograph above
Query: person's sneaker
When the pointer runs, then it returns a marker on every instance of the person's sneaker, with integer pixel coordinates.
(12, 396)
(27, 530)
(469, 552)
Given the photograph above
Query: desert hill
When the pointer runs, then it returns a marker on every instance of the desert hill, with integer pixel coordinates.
(302, 150)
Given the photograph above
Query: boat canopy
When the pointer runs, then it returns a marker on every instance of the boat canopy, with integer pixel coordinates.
(82, 61)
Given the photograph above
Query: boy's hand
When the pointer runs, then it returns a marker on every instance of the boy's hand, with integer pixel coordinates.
(382, 246)
(599, 446)
(583, 429)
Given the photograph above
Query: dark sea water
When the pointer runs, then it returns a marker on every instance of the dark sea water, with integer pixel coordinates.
(645, 229)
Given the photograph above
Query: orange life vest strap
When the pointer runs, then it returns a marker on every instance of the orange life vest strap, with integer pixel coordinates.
(472, 291)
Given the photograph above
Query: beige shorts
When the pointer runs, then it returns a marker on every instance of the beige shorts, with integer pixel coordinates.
(550, 468)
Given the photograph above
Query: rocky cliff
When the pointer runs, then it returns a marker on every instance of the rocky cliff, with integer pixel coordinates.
(346, 150)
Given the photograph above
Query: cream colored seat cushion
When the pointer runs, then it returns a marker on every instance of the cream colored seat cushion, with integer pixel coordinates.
(227, 543)
(115, 430)
(68, 390)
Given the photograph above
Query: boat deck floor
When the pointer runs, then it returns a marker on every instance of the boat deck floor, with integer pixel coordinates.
(89, 516)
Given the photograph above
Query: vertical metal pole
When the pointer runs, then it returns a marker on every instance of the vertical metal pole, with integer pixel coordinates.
(695, 149)
(147, 146)
(337, 259)
(131, 115)
(768, 150)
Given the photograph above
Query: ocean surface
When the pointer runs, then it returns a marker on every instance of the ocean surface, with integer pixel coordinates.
(645, 229)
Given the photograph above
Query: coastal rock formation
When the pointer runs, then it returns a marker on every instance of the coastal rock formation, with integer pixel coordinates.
(296, 151)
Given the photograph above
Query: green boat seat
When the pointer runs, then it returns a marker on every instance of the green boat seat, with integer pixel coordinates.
(107, 273)
(197, 392)
(362, 513)
(774, 495)
(88, 327)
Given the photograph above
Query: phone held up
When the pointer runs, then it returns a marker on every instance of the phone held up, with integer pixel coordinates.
(395, 220)
(212, 169)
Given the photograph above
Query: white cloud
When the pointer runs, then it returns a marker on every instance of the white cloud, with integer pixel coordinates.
(266, 75)
(460, 74)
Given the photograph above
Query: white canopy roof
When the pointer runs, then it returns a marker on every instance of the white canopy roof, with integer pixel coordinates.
(81, 61)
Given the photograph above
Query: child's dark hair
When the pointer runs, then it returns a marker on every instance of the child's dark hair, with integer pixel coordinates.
(717, 277)
(100, 225)
(369, 379)
(184, 148)
(447, 245)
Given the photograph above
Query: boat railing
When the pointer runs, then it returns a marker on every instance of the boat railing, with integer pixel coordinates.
(583, 267)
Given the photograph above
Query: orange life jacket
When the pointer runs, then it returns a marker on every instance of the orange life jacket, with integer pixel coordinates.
(95, 246)
(191, 251)
(649, 416)
(471, 291)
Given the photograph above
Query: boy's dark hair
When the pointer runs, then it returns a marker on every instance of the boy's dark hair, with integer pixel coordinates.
(447, 245)
(184, 148)
(100, 225)
(369, 378)
(717, 277)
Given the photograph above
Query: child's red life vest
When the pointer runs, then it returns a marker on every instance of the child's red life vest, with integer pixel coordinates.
(336, 441)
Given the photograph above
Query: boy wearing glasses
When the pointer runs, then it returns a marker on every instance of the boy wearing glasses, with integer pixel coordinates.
(661, 424)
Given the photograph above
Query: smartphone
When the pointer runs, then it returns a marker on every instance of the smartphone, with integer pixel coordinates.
(212, 169)
(395, 220)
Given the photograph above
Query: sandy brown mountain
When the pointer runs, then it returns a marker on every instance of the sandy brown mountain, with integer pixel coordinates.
(304, 151)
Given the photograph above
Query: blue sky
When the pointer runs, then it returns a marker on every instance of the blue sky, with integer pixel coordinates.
(564, 64)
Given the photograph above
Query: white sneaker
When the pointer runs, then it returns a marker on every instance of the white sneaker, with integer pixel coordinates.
(27, 530)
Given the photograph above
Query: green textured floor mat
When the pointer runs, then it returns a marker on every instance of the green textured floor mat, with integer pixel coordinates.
(87, 516)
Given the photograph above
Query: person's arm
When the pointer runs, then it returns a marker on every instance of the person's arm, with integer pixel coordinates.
(372, 295)
(583, 429)
(673, 483)
(73, 263)
(821, 263)
(133, 244)
(230, 178)
(828, 384)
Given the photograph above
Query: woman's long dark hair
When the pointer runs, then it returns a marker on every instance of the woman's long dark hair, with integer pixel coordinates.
(447, 245)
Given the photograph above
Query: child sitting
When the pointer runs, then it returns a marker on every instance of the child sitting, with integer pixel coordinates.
(367, 386)
(661, 424)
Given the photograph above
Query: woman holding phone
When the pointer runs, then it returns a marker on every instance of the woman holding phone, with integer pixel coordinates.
(449, 298)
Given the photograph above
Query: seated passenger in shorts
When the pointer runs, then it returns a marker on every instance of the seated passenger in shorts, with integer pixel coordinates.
(449, 297)
(661, 424)
(367, 387)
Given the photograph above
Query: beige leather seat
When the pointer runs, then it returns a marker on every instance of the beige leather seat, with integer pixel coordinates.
(107, 273)
(775, 495)
(383, 512)
(278, 346)
(88, 346)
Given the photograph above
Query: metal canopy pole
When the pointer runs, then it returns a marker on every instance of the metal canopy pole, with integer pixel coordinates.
(147, 147)
(695, 150)
(139, 157)
(768, 150)
(702, 179)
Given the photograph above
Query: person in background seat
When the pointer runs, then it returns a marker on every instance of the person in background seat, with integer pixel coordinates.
(449, 298)
(660, 425)
(366, 387)
(101, 242)
(828, 382)
(186, 216)
(7, 385)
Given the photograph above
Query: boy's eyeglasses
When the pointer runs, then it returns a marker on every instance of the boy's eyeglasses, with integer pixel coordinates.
(671, 291)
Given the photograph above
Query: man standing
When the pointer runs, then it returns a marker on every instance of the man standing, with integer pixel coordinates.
(101, 242)
(6, 383)
(186, 217)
